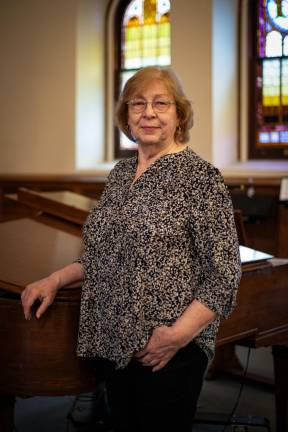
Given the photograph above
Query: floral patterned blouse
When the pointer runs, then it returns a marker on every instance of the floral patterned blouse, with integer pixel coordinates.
(150, 248)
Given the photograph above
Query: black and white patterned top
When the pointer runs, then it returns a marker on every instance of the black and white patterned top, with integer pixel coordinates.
(153, 247)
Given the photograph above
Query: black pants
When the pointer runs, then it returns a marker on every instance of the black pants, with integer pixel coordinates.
(164, 401)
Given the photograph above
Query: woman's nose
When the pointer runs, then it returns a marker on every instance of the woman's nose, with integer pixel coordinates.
(149, 111)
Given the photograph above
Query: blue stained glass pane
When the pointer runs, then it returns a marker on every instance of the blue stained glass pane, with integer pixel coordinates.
(268, 27)
(278, 21)
(264, 137)
(274, 137)
(284, 136)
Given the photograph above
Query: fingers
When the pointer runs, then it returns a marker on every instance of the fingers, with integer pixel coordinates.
(149, 360)
(141, 354)
(155, 359)
(160, 365)
(31, 294)
(156, 363)
(42, 308)
(27, 302)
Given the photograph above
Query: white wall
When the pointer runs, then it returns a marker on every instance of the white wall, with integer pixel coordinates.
(224, 77)
(204, 52)
(37, 86)
(90, 84)
(191, 58)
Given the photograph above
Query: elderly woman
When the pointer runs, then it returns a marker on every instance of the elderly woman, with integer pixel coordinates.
(160, 265)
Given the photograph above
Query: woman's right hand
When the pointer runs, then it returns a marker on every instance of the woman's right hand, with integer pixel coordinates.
(43, 290)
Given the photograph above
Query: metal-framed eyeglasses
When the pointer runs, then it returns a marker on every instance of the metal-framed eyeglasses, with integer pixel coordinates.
(158, 105)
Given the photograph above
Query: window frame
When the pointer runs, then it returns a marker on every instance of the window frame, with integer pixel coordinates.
(255, 152)
(119, 12)
(117, 35)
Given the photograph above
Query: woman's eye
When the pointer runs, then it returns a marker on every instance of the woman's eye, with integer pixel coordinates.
(160, 103)
(138, 104)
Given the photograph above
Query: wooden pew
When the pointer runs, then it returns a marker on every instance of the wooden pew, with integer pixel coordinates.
(66, 205)
(64, 210)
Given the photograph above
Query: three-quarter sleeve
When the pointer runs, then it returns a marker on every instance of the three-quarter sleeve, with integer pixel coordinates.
(215, 245)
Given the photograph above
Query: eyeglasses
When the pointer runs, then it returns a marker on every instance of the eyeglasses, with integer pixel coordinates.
(158, 105)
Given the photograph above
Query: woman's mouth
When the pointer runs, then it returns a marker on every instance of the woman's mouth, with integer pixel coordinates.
(149, 128)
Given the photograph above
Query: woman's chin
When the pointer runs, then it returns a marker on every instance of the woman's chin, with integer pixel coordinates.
(149, 140)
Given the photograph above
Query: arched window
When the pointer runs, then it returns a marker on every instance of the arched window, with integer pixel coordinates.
(142, 38)
(269, 77)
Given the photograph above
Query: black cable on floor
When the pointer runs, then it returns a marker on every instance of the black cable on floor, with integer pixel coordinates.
(243, 380)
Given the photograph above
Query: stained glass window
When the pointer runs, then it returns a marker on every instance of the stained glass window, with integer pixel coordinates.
(145, 41)
(271, 79)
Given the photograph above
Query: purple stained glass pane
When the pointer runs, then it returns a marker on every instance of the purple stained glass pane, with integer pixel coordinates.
(281, 127)
(261, 29)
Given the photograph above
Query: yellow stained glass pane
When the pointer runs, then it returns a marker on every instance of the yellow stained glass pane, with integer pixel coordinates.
(133, 38)
(150, 41)
(271, 101)
(271, 83)
(146, 31)
(146, 40)
(163, 36)
(284, 77)
(133, 41)
(150, 11)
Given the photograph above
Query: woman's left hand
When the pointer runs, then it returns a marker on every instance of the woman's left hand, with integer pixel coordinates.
(160, 348)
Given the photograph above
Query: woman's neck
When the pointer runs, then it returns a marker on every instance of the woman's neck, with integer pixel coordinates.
(150, 153)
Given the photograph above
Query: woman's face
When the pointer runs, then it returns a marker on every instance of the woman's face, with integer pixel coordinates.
(151, 126)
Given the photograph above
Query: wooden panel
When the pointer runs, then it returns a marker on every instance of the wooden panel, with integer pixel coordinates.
(39, 355)
(262, 305)
(91, 186)
(282, 238)
(11, 208)
(241, 231)
(64, 204)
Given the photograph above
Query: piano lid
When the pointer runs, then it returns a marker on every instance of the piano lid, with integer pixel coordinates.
(30, 250)
(249, 255)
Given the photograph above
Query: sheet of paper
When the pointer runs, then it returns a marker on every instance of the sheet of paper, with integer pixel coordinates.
(248, 255)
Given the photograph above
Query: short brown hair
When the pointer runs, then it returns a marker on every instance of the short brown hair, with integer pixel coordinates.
(140, 80)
